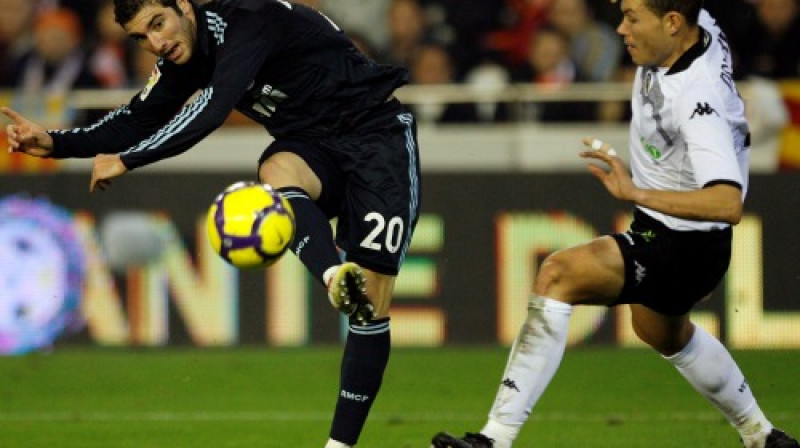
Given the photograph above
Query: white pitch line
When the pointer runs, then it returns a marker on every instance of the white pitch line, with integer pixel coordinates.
(255, 416)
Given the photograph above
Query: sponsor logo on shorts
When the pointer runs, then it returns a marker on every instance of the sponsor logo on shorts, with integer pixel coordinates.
(641, 272)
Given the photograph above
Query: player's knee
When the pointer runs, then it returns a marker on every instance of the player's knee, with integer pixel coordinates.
(285, 169)
(552, 274)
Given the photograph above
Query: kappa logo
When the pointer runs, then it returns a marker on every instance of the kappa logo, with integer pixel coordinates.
(509, 383)
(703, 109)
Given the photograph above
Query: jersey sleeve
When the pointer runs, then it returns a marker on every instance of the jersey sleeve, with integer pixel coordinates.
(129, 124)
(707, 132)
(242, 42)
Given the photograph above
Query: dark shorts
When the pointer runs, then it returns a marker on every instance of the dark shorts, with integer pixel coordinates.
(370, 181)
(670, 271)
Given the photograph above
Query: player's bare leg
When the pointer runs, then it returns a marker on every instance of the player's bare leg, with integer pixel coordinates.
(709, 368)
(588, 273)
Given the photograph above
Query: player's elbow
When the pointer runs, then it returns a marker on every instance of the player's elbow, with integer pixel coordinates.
(731, 211)
(727, 200)
(736, 216)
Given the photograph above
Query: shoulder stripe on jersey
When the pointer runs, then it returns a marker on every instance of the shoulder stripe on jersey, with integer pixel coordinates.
(122, 110)
(177, 124)
(217, 26)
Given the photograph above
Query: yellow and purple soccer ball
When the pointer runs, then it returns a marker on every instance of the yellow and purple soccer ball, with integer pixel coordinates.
(250, 225)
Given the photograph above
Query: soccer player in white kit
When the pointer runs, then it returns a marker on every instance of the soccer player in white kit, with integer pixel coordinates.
(689, 145)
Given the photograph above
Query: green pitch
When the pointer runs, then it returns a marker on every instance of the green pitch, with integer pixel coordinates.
(265, 398)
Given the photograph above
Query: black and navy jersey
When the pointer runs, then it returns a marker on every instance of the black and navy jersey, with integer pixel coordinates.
(284, 65)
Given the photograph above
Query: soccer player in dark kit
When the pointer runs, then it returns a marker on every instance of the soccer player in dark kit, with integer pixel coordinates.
(343, 147)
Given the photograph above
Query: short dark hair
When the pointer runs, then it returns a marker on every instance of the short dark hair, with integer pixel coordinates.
(126, 10)
(690, 9)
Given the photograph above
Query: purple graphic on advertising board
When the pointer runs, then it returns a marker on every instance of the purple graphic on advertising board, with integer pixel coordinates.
(41, 274)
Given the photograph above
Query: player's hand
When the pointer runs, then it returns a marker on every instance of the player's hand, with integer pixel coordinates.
(26, 136)
(106, 167)
(616, 178)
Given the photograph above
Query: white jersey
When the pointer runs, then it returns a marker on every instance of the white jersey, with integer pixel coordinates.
(688, 128)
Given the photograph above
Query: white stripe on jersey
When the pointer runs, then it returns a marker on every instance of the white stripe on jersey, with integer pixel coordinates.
(408, 120)
(180, 121)
(689, 127)
(122, 110)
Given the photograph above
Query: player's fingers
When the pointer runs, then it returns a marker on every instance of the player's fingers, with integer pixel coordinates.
(600, 146)
(599, 155)
(11, 113)
(598, 172)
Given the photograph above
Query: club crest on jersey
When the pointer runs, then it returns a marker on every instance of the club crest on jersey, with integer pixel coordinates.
(648, 82)
(155, 75)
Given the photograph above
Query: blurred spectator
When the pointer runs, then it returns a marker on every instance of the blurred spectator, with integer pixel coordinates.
(85, 9)
(52, 68)
(432, 65)
(111, 53)
(770, 46)
(464, 25)
(551, 67)
(594, 46)
(513, 41)
(15, 36)
(362, 18)
(408, 29)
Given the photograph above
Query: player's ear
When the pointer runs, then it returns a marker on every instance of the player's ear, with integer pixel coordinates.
(673, 21)
(185, 6)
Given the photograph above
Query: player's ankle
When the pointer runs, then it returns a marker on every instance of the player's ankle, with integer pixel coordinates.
(754, 429)
(502, 434)
(336, 444)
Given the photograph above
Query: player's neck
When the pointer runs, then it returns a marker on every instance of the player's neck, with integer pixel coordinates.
(686, 40)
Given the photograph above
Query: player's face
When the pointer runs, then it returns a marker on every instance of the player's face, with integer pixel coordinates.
(164, 32)
(648, 38)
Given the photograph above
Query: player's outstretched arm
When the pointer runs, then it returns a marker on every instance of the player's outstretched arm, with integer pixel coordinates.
(26, 136)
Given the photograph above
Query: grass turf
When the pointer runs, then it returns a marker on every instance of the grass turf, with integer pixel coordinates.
(260, 397)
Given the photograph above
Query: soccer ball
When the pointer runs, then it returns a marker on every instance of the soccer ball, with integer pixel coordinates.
(250, 225)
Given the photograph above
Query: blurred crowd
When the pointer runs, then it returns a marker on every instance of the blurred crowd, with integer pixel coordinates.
(49, 47)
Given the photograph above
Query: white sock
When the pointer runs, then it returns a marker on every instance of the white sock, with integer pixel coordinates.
(534, 359)
(710, 369)
(328, 274)
(336, 444)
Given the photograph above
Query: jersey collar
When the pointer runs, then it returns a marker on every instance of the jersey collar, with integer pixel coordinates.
(694, 52)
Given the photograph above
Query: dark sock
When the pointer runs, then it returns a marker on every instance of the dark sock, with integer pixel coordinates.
(313, 238)
(366, 354)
